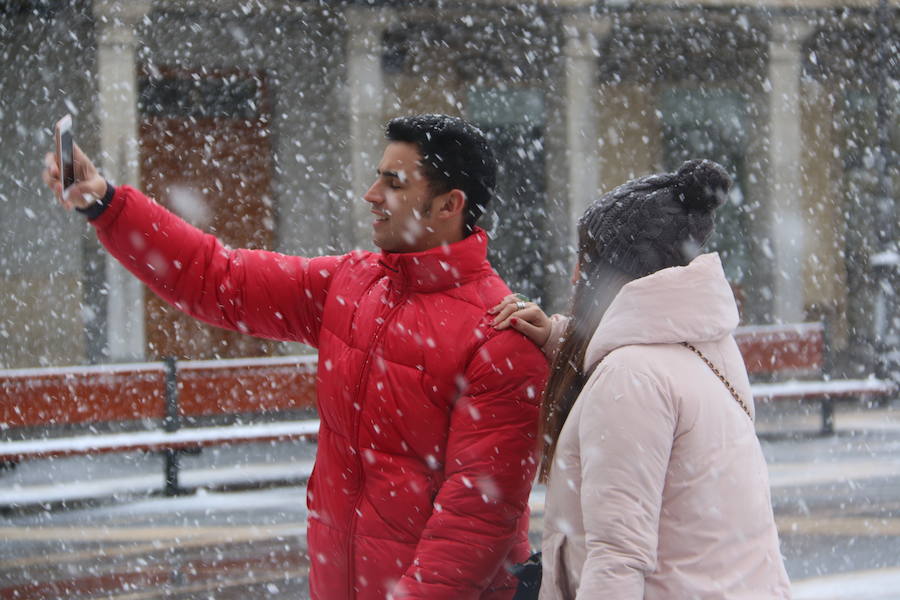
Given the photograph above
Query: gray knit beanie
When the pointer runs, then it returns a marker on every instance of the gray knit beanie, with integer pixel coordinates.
(654, 222)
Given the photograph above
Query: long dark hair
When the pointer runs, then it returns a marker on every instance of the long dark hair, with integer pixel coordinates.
(595, 290)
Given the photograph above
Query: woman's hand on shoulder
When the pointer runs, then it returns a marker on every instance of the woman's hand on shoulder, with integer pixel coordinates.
(524, 316)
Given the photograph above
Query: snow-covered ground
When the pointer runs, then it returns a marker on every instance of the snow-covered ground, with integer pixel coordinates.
(880, 584)
(143, 484)
(848, 459)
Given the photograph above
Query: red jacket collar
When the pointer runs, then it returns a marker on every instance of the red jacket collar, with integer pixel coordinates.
(439, 268)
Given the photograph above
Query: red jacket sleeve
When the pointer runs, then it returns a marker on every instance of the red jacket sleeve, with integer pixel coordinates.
(253, 291)
(490, 467)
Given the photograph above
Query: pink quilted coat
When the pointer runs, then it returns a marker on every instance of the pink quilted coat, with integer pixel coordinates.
(659, 488)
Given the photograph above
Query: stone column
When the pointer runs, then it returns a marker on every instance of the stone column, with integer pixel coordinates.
(365, 90)
(582, 127)
(117, 115)
(788, 226)
(571, 141)
(825, 277)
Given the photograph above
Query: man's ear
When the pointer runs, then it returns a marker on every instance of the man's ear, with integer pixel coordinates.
(451, 204)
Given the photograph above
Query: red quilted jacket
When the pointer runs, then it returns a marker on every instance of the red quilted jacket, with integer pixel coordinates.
(428, 414)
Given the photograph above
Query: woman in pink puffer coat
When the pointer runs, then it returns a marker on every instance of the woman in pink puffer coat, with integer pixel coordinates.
(657, 486)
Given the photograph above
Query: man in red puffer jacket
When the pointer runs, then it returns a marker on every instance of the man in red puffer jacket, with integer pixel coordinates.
(428, 414)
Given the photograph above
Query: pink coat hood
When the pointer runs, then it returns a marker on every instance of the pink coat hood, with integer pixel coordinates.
(681, 304)
(659, 488)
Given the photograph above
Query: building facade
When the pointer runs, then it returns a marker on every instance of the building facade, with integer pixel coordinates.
(262, 121)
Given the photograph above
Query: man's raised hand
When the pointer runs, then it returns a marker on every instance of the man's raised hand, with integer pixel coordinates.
(89, 186)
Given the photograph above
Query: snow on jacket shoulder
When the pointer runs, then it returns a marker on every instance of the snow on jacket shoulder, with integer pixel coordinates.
(659, 488)
(428, 414)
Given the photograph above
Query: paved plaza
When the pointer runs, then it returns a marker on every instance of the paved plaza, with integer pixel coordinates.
(91, 527)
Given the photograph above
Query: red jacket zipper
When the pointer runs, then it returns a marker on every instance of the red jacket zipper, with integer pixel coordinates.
(363, 379)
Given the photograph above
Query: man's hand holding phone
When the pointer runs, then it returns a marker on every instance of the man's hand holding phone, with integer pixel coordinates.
(85, 185)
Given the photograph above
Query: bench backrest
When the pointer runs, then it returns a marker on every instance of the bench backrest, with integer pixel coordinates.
(236, 386)
(133, 392)
(793, 349)
(76, 395)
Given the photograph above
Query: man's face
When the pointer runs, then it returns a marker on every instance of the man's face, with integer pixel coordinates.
(401, 201)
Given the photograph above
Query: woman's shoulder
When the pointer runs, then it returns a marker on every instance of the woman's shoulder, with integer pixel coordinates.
(638, 364)
(650, 360)
(630, 382)
(656, 368)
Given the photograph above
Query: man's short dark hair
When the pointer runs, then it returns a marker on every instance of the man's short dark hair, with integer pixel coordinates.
(455, 155)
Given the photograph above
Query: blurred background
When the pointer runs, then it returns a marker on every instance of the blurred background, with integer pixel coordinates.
(262, 120)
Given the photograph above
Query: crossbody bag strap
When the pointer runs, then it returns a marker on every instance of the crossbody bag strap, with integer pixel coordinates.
(721, 377)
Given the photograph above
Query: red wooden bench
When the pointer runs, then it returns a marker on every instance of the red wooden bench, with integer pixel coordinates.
(169, 407)
(177, 407)
(787, 362)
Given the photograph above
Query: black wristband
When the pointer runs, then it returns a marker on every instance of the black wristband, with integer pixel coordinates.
(96, 209)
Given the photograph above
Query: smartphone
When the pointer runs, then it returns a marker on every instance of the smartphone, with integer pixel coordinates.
(65, 151)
